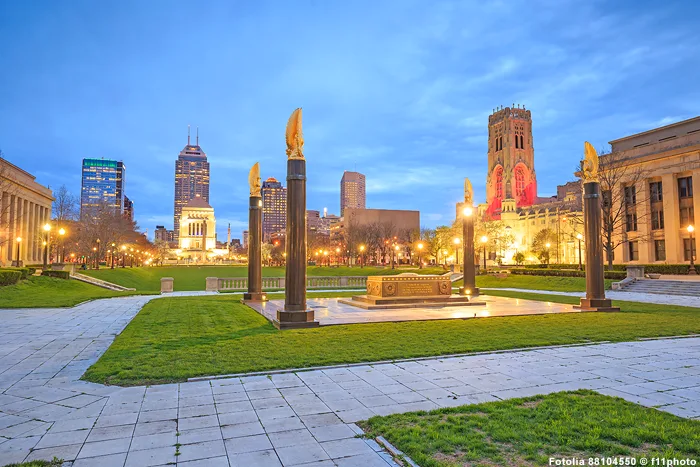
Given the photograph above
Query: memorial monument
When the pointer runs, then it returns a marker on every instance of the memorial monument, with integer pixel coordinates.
(295, 314)
(254, 237)
(469, 270)
(595, 285)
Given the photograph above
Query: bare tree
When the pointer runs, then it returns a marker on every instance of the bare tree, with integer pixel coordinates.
(65, 206)
(621, 201)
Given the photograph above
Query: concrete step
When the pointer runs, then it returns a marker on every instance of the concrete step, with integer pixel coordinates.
(100, 283)
(665, 287)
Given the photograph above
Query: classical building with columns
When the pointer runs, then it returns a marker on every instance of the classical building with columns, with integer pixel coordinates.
(662, 201)
(197, 230)
(25, 206)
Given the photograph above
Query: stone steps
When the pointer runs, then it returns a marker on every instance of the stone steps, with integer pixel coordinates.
(665, 287)
(100, 283)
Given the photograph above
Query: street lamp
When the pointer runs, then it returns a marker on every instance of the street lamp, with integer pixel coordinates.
(484, 239)
(456, 241)
(97, 254)
(47, 229)
(124, 255)
(362, 256)
(61, 233)
(112, 254)
(692, 270)
(19, 241)
(420, 250)
(548, 245)
(393, 256)
(580, 261)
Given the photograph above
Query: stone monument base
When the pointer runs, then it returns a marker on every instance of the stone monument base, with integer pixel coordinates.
(295, 319)
(596, 304)
(255, 296)
(368, 302)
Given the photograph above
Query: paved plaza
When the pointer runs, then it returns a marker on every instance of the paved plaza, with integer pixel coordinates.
(330, 311)
(304, 418)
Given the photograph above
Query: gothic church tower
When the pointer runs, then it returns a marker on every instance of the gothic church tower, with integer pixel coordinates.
(511, 160)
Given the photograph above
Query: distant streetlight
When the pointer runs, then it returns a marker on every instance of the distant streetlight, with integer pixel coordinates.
(420, 250)
(362, 256)
(548, 245)
(580, 261)
(692, 270)
(61, 233)
(19, 242)
(456, 241)
(47, 229)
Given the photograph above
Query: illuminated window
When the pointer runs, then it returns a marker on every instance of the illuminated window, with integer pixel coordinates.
(519, 181)
(499, 182)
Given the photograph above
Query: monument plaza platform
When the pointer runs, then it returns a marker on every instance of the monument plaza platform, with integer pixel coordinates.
(329, 311)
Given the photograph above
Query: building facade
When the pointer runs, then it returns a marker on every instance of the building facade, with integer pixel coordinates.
(25, 206)
(661, 173)
(191, 179)
(353, 193)
(511, 160)
(128, 209)
(274, 215)
(103, 182)
(197, 229)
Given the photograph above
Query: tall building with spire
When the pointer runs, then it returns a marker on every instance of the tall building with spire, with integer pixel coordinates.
(352, 191)
(191, 179)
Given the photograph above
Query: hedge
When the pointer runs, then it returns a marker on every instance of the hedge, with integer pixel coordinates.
(652, 268)
(617, 275)
(9, 277)
(59, 274)
(24, 272)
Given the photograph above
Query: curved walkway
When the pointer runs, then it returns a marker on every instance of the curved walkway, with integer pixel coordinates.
(622, 295)
(304, 418)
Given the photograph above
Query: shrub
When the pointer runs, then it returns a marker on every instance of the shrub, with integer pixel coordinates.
(24, 272)
(617, 275)
(32, 270)
(58, 274)
(9, 277)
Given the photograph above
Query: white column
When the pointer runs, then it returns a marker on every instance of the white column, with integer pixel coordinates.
(674, 246)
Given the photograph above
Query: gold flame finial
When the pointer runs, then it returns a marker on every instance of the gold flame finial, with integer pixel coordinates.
(468, 192)
(589, 164)
(295, 138)
(254, 179)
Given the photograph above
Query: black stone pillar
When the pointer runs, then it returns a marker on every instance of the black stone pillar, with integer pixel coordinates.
(255, 251)
(295, 313)
(469, 276)
(595, 284)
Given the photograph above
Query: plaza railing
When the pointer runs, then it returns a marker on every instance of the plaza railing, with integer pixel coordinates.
(223, 284)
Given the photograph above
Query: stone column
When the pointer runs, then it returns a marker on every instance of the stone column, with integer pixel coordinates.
(595, 285)
(469, 277)
(255, 250)
(295, 313)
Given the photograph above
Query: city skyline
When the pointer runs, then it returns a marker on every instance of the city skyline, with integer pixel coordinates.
(406, 103)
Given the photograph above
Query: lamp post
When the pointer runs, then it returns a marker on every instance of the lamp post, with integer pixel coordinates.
(97, 254)
(19, 242)
(47, 229)
(112, 254)
(580, 261)
(94, 253)
(548, 245)
(420, 261)
(484, 239)
(61, 233)
(124, 256)
(362, 256)
(131, 258)
(692, 270)
(456, 241)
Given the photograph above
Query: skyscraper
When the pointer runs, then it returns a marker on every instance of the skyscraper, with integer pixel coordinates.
(191, 179)
(103, 182)
(352, 191)
(274, 198)
(128, 208)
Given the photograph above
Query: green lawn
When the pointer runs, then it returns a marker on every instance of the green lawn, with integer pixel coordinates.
(43, 292)
(558, 284)
(530, 431)
(172, 339)
(194, 277)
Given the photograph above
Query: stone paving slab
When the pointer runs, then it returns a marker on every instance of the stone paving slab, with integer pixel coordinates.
(285, 419)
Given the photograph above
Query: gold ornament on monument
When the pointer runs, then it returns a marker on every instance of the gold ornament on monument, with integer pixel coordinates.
(468, 192)
(589, 164)
(254, 179)
(295, 138)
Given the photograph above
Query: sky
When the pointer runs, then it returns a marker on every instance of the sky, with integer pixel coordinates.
(399, 90)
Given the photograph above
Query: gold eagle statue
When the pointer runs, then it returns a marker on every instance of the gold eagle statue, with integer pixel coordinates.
(468, 192)
(589, 164)
(295, 138)
(254, 179)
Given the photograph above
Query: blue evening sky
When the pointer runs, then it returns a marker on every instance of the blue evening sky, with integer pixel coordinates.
(399, 90)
